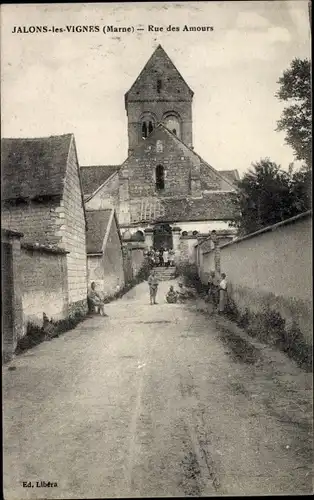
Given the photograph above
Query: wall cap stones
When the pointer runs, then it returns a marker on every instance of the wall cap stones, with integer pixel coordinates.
(43, 248)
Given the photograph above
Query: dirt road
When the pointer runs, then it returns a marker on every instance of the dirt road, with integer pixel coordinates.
(155, 401)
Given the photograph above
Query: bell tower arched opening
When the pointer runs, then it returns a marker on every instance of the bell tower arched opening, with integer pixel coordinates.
(172, 121)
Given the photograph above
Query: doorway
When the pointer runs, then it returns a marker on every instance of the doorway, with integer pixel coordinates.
(162, 237)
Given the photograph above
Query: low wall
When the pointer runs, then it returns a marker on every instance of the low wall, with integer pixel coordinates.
(271, 268)
(43, 279)
(137, 258)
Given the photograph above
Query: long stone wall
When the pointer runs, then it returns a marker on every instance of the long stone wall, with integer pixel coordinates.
(271, 269)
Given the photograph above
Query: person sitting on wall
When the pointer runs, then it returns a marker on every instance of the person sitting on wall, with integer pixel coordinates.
(172, 296)
(95, 302)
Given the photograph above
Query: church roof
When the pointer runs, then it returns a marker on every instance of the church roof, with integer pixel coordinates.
(35, 167)
(159, 65)
(93, 177)
(212, 206)
(97, 227)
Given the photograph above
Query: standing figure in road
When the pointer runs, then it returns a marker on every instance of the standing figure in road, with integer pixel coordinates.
(166, 257)
(153, 287)
(95, 302)
(222, 293)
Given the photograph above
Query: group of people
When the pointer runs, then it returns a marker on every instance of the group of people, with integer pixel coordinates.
(163, 257)
(173, 296)
(217, 291)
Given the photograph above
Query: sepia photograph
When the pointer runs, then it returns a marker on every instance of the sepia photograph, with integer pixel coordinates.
(156, 249)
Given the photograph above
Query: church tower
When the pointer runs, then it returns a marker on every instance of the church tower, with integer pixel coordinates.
(159, 95)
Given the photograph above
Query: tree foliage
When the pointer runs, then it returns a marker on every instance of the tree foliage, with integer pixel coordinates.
(296, 119)
(267, 195)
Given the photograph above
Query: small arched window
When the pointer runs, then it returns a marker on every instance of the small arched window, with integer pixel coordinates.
(174, 131)
(144, 130)
(147, 128)
(158, 86)
(160, 178)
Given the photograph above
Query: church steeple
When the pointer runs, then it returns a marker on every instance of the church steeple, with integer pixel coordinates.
(159, 94)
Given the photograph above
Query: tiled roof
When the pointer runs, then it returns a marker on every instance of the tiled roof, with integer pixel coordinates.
(34, 167)
(93, 177)
(212, 206)
(97, 224)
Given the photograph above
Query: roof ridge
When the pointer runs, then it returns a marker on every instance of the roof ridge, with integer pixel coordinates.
(99, 209)
(98, 166)
(70, 134)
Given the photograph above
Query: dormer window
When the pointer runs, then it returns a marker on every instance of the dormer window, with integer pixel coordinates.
(158, 86)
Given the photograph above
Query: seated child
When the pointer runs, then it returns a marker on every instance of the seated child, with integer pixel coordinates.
(182, 293)
(171, 296)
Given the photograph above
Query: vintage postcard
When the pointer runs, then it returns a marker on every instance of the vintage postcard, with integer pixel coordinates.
(156, 249)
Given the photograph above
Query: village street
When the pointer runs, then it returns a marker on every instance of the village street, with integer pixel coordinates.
(155, 401)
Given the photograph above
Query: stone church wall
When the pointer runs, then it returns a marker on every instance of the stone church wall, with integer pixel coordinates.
(142, 165)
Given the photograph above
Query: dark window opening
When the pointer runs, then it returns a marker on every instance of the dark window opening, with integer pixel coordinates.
(174, 131)
(158, 86)
(144, 130)
(184, 233)
(150, 128)
(160, 177)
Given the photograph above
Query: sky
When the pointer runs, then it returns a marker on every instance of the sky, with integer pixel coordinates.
(57, 83)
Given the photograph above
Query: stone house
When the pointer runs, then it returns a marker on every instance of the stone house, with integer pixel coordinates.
(163, 189)
(12, 308)
(104, 251)
(42, 198)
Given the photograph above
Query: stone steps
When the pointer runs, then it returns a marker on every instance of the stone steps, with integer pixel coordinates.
(165, 273)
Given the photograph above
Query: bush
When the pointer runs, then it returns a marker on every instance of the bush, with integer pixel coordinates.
(189, 273)
(270, 327)
(34, 336)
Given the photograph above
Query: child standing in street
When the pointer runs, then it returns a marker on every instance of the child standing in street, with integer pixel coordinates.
(153, 287)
